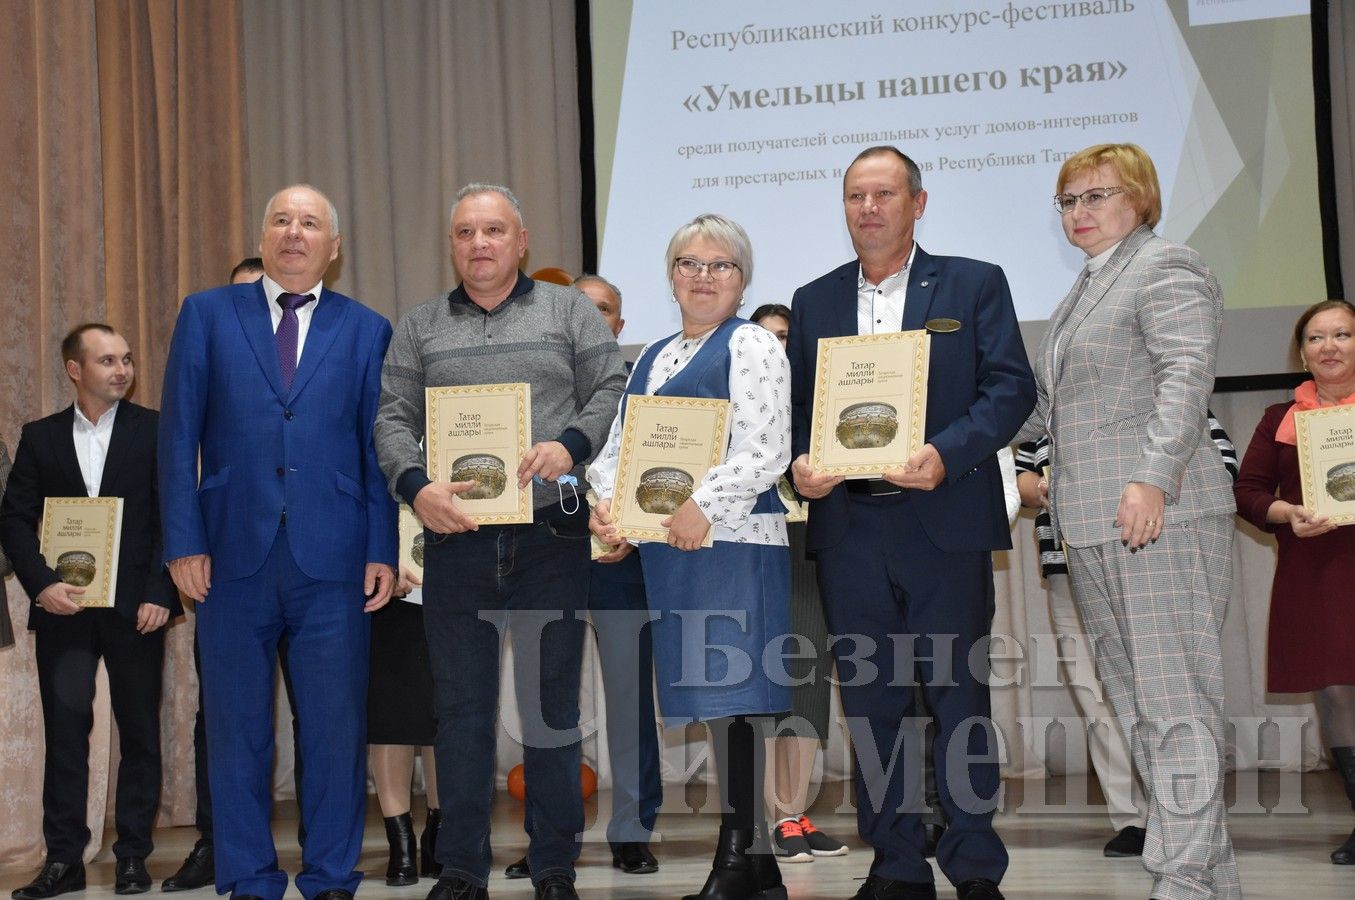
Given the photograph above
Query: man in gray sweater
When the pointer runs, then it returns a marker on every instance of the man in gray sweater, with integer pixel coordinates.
(500, 326)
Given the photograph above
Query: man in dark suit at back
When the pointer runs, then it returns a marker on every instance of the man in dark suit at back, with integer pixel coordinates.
(285, 528)
(908, 557)
(101, 446)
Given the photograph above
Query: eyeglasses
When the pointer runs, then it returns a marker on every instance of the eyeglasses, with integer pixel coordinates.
(1091, 199)
(720, 269)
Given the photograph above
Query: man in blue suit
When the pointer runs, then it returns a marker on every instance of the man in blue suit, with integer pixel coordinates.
(289, 530)
(906, 559)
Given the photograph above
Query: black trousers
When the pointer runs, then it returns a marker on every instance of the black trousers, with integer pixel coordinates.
(68, 652)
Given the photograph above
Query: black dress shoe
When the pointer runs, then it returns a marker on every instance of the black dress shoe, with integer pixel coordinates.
(634, 858)
(978, 889)
(518, 869)
(245, 897)
(131, 876)
(556, 887)
(54, 878)
(198, 870)
(334, 894)
(1129, 842)
(877, 888)
(457, 889)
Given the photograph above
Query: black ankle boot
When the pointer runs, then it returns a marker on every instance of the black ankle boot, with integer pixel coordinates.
(736, 874)
(765, 867)
(400, 836)
(429, 867)
(1344, 757)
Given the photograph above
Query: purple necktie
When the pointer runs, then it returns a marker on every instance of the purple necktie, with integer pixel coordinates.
(287, 333)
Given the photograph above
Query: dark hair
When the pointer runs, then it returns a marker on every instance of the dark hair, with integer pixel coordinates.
(914, 173)
(74, 340)
(248, 264)
(770, 309)
(1313, 310)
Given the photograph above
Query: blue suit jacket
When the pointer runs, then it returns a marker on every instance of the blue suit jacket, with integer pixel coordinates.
(264, 449)
(979, 391)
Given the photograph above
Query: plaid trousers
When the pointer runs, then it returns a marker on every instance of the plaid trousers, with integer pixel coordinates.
(1154, 617)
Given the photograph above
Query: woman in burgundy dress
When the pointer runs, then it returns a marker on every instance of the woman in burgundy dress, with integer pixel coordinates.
(1312, 643)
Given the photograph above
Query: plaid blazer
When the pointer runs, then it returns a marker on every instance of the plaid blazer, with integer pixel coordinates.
(1124, 375)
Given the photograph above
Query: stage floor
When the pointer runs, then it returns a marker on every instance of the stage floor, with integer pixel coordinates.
(1054, 853)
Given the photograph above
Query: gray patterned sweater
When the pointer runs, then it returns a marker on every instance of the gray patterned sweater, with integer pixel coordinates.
(544, 334)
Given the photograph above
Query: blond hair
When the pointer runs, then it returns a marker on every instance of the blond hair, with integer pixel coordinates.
(1135, 168)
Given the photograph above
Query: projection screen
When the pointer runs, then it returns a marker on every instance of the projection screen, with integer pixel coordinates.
(754, 108)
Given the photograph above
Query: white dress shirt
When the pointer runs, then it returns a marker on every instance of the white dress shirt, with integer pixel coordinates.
(272, 290)
(759, 435)
(91, 445)
(879, 307)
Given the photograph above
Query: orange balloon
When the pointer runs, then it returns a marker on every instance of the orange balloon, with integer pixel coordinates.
(554, 275)
(517, 782)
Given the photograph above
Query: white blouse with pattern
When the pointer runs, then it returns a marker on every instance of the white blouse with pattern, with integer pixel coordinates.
(759, 435)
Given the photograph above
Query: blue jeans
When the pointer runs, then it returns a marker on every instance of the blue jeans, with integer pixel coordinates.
(621, 618)
(531, 580)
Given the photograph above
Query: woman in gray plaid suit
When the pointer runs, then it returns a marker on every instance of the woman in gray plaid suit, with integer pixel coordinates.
(1140, 495)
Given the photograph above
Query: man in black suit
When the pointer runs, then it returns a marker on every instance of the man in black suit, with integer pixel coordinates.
(101, 446)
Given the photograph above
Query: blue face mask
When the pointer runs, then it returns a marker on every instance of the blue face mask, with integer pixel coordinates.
(560, 482)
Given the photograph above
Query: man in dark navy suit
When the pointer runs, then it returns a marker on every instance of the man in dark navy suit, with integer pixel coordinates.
(289, 530)
(103, 445)
(906, 559)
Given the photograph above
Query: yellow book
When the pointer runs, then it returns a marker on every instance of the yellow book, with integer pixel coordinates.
(480, 433)
(870, 402)
(668, 444)
(411, 541)
(80, 539)
(1326, 449)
